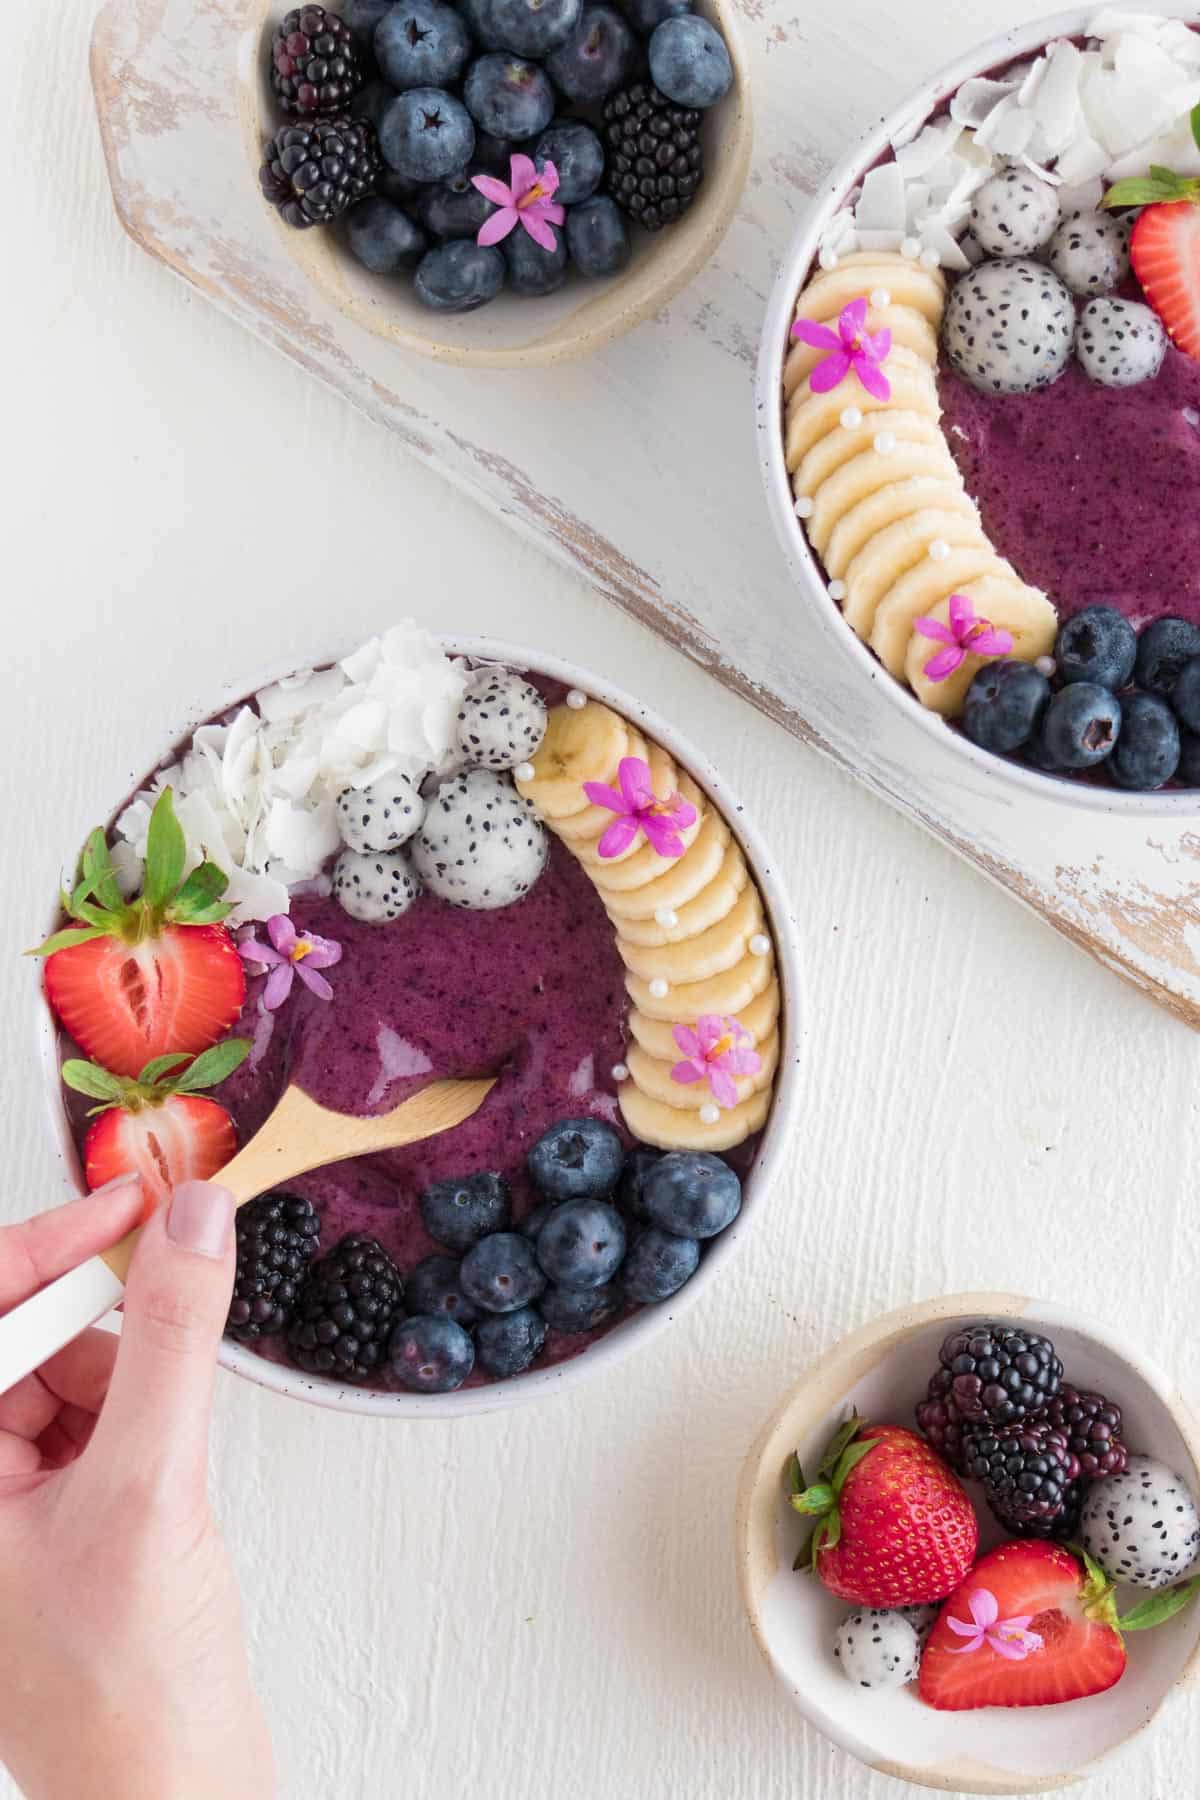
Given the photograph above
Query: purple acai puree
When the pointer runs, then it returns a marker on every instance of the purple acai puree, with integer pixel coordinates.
(1090, 492)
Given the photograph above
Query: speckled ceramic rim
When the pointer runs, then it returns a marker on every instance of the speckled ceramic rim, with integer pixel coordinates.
(769, 423)
(777, 1133)
(817, 1397)
(606, 310)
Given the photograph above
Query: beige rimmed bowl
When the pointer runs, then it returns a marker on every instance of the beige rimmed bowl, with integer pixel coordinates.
(512, 333)
(882, 1370)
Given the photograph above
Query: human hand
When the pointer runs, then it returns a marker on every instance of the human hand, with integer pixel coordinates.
(123, 1670)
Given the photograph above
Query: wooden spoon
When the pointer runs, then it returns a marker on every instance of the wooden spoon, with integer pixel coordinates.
(299, 1135)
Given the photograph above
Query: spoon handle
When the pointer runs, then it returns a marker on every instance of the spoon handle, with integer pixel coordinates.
(55, 1316)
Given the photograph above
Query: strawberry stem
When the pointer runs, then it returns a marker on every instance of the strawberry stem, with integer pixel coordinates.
(156, 1082)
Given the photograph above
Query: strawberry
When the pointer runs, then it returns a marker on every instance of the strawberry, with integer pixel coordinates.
(1165, 245)
(894, 1524)
(134, 980)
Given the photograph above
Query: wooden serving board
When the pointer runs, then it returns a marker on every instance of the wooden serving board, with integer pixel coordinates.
(638, 468)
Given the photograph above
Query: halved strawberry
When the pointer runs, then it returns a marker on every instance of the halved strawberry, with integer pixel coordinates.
(134, 980)
(1052, 1634)
(159, 1126)
(1165, 252)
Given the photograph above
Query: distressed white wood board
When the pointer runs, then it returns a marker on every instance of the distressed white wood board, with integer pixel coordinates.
(637, 468)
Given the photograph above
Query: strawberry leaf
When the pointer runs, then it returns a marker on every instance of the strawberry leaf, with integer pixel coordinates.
(842, 1437)
(166, 853)
(97, 877)
(793, 1475)
(850, 1460)
(66, 939)
(158, 1066)
(827, 1534)
(1196, 125)
(198, 901)
(1148, 190)
(1099, 1600)
(1156, 1609)
(90, 1079)
(212, 1066)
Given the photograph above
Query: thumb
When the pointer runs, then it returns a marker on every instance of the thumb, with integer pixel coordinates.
(155, 1418)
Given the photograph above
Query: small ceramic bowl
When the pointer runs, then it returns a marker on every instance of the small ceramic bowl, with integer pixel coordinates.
(512, 333)
(882, 1370)
(773, 1147)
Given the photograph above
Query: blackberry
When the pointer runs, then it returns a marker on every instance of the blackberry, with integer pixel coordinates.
(1000, 1373)
(1026, 1469)
(655, 157)
(939, 1420)
(313, 172)
(350, 1300)
(1092, 1427)
(314, 63)
(1063, 1526)
(277, 1237)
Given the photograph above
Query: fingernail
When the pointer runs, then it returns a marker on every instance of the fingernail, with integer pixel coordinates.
(200, 1218)
(130, 1179)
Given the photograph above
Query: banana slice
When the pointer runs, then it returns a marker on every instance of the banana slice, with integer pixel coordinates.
(898, 501)
(697, 958)
(689, 875)
(655, 1035)
(671, 1128)
(908, 284)
(814, 416)
(593, 821)
(654, 1077)
(907, 326)
(884, 558)
(642, 863)
(711, 903)
(853, 259)
(730, 992)
(919, 590)
(863, 474)
(1007, 604)
(829, 453)
(584, 744)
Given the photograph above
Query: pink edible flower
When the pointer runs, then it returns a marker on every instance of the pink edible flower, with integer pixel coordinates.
(850, 347)
(713, 1053)
(964, 636)
(528, 201)
(288, 955)
(638, 808)
(1010, 1638)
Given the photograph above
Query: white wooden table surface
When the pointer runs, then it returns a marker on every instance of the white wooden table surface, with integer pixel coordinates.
(544, 1603)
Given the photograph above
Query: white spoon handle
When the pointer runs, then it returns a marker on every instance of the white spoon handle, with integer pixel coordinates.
(33, 1331)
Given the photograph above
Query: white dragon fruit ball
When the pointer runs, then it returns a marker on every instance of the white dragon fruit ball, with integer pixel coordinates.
(921, 1618)
(1142, 1526)
(1090, 252)
(380, 817)
(878, 1649)
(1120, 343)
(1014, 214)
(481, 846)
(501, 720)
(374, 889)
(1009, 326)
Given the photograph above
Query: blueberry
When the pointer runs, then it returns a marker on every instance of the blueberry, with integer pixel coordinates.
(532, 1223)
(1185, 695)
(532, 270)
(507, 1343)
(647, 15)
(501, 1273)
(1036, 753)
(422, 43)
(595, 58)
(693, 1194)
(383, 238)
(573, 1309)
(578, 156)
(689, 62)
(1148, 749)
(362, 16)
(459, 276)
(454, 209)
(399, 188)
(528, 27)
(426, 134)
(433, 1287)
(1098, 644)
(598, 237)
(637, 1167)
(1163, 648)
(582, 1243)
(508, 96)
(431, 1355)
(1004, 706)
(459, 1213)
(493, 154)
(1081, 725)
(576, 1160)
(658, 1264)
(1189, 759)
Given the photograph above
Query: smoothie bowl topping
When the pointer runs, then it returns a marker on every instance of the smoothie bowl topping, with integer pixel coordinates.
(1013, 296)
(404, 867)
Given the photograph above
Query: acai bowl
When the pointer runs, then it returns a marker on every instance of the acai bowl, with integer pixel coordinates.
(992, 540)
(465, 909)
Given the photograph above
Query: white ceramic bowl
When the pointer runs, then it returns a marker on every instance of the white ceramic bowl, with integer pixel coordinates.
(647, 1324)
(878, 689)
(883, 1370)
(511, 332)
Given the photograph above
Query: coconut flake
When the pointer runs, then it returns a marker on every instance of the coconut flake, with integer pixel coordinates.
(1056, 105)
(928, 148)
(881, 203)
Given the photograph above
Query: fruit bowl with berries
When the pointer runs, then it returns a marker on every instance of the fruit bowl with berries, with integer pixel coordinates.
(969, 1544)
(500, 183)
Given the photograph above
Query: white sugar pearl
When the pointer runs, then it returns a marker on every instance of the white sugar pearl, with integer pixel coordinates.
(929, 259)
(885, 442)
(710, 1114)
(939, 549)
(805, 506)
(620, 1071)
(911, 248)
(659, 988)
(759, 944)
(828, 258)
(524, 771)
(851, 418)
(837, 590)
(1045, 665)
(666, 918)
(1191, 416)
(577, 699)
(881, 297)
